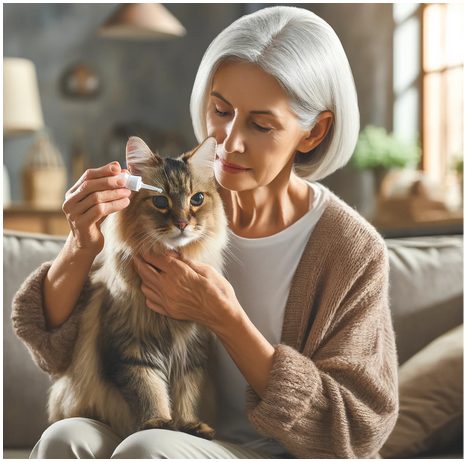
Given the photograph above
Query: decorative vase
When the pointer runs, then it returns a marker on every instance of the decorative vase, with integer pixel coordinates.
(44, 174)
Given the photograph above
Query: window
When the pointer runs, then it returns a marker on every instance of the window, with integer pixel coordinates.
(442, 66)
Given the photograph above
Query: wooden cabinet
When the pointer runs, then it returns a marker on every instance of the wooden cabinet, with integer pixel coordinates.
(21, 217)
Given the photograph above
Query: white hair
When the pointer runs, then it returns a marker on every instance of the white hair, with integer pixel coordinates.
(306, 57)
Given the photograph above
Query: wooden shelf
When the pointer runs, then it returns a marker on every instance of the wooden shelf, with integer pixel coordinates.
(22, 217)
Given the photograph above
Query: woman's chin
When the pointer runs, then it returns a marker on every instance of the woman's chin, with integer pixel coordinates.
(231, 181)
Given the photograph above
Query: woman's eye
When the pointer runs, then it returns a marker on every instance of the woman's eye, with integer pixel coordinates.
(220, 113)
(197, 199)
(262, 129)
(161, 202)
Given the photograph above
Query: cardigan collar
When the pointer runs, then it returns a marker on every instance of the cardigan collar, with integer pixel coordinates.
(298, 310)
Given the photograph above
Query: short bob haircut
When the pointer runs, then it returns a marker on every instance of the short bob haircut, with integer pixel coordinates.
(306, 57)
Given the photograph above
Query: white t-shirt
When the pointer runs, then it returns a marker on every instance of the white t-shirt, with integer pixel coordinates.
(260, 270)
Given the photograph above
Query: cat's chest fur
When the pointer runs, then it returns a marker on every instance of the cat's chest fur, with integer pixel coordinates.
(132, 333)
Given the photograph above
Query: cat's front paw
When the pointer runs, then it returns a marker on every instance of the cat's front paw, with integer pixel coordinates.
(200, 429)
(158, 422)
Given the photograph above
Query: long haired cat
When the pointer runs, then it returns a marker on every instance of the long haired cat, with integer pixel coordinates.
(133, 368)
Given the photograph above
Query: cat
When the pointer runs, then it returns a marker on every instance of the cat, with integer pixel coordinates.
(133, 368)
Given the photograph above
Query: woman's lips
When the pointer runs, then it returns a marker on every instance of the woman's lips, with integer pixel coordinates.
(231, 167)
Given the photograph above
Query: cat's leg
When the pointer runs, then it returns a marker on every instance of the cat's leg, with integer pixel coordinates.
(187, 391)
(146, 391)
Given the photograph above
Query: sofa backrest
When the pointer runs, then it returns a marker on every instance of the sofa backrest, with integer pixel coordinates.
(426, 294)
(426, 289)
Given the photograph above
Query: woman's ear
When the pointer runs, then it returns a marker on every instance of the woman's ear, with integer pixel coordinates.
(138, 156)
(319, 131)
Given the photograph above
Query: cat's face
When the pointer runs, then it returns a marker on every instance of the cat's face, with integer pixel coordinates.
(186, 212)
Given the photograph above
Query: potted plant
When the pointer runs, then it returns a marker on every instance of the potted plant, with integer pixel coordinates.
(380, 151)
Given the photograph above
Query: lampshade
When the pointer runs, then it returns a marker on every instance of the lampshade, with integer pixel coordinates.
(22, 112)
(142, 21)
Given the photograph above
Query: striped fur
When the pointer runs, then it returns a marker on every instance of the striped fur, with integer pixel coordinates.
(133, 368)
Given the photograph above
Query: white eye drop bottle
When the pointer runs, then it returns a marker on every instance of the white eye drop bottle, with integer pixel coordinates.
(135, 183)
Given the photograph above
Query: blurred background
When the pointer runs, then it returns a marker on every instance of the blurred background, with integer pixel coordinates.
(79, 79)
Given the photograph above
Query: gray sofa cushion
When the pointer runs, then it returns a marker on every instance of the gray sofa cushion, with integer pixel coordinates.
(426, 289)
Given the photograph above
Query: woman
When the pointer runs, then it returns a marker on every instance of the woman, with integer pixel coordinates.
(308, 347)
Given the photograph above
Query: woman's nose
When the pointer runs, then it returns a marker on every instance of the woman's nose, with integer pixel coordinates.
(233, 141)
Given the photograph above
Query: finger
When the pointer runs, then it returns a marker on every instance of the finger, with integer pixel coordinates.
(91, 186)
(155, 307)
(113, 168)
(151, 293)
(100, 197)
(146, 271)
(98, 211)
(165, 262)
(200, 268)
(160, 261)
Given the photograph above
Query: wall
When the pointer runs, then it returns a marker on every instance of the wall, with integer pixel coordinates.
(150, 82)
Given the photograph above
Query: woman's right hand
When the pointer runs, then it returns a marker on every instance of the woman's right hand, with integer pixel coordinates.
(90, 200)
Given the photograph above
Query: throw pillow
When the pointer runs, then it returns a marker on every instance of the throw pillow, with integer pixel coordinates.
(431, 399)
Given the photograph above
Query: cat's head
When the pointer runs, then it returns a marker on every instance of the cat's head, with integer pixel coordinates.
(188, 212)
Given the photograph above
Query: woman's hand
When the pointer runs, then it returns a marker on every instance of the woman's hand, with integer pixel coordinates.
(182, 289)
(92, 198)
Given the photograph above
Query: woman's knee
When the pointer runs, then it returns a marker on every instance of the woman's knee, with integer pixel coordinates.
(156, 444)
(75, 437)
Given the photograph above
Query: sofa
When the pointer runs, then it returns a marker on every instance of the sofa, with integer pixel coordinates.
(426, 295)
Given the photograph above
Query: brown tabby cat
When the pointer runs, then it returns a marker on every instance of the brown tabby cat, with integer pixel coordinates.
(133, 368)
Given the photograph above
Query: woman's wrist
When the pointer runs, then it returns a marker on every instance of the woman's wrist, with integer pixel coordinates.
(76, 251)
(231, 319)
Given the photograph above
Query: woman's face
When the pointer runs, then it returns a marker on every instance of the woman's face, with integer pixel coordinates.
(249, 115)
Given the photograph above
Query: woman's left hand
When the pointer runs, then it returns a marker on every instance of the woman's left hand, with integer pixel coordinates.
(182, 289)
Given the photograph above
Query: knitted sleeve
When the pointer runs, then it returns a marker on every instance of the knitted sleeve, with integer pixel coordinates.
(51, 349)
(340, 400)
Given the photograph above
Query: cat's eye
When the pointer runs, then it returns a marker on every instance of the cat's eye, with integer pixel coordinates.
(197, 199)
(161, 202)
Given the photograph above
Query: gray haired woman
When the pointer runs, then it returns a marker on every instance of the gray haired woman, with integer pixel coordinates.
(305, 353)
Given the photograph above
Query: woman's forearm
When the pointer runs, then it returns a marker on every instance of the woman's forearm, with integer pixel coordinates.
(65, 281)
(249, 349)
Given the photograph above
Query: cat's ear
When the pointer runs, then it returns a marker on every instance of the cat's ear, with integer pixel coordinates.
(138, 156)
(203, 156)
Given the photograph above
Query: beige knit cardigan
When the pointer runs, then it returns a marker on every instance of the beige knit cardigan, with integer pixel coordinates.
(333, 387)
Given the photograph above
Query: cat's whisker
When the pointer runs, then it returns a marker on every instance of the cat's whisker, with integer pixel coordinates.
(148, 239)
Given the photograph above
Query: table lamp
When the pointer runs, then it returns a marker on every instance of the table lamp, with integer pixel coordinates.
(22, 112)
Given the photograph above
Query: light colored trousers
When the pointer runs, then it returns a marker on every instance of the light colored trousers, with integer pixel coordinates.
(82, 438)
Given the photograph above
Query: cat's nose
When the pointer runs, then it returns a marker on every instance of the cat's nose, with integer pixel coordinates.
(181, 225)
